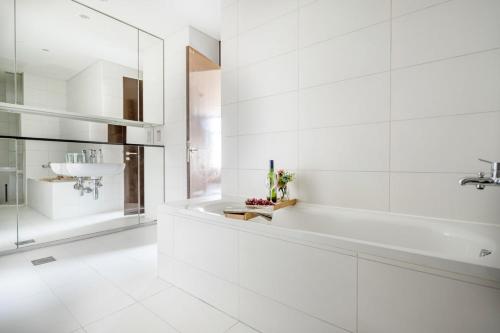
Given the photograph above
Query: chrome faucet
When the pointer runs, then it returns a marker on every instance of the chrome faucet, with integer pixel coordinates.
(481, 181)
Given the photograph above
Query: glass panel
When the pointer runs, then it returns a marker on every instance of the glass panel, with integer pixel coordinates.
(7, 52)
(8, 194)
(78, 60)
(55, 209)
(151, 74)
(204, 126)
(153, 195)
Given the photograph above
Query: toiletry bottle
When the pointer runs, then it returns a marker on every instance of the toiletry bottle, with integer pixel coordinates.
(100, 156)
(271, 179)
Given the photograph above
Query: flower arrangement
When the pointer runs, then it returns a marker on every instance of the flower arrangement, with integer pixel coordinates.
(284, 177)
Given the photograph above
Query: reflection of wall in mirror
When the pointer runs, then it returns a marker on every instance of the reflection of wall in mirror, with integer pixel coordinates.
(97, 90)
(152, 76)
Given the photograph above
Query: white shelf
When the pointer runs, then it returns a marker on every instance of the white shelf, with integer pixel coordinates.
(25, 109)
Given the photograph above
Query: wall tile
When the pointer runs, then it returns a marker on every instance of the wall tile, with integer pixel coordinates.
(361, 147)
(229, 181)
(252, 183)
(255, 151)
(229, 82)
(400, 7)
(452, 29)
(446, 144)
(270, 77)
(230, 152)
(324, 19)
(460, 85)
(357, 101)
(268, 114)
(229, 119)
(273, 38)
(229, 21)
(359, 53)
(366, 190)
(229, 54)
(440, 195)
(253, 13)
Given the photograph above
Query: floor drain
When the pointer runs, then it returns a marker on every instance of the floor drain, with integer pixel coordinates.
(42, 261)
(24, 242)
(484, 253)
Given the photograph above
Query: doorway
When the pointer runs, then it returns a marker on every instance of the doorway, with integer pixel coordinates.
(203, 125)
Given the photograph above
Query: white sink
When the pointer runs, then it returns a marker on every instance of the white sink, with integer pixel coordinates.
(87, 169)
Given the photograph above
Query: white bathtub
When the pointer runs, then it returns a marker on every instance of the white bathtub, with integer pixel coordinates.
(334, 269)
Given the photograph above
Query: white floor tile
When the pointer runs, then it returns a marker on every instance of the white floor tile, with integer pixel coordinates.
(37, 313)
(133, 319)
(94, 282)
(188, 314)
(92, 298)
(20, 280)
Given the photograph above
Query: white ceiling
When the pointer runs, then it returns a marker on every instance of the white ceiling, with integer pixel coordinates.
(163, 17)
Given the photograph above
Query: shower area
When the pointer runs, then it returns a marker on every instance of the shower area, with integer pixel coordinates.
(81, 123)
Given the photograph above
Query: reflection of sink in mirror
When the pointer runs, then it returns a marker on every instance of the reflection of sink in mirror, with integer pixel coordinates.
(87, 169)
(58, 199)
(58, 179)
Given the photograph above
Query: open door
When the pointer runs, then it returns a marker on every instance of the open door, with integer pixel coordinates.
(133, 156)
(203, 125)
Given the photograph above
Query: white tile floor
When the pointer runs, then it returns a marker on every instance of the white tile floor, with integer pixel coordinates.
(104, 284)
(33, 225)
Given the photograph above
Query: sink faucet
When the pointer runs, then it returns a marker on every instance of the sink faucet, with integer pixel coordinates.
(481, 181)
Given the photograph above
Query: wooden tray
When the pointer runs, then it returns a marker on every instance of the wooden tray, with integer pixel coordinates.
(245, 216)
(284, 203)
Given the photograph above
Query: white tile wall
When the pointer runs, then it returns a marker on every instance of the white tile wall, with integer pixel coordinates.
(372, 111)
(358, 101)
(361, 53)
(467, 84)
(322, 19)
(252, 13)
(273, 76)
(276, 37)
(452, 29)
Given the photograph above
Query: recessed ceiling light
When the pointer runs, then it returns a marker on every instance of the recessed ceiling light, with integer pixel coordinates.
(84, 17)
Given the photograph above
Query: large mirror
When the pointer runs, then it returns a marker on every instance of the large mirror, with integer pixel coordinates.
(72, 60)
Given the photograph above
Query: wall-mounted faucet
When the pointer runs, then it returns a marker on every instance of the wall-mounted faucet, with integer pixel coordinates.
(481, 181)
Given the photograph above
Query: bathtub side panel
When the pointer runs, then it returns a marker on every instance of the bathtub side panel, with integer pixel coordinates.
(318, 282)
(269, 316)
(394, 299)
(207, 247)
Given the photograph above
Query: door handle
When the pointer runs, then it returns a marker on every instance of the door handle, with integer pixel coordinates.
(129, 153)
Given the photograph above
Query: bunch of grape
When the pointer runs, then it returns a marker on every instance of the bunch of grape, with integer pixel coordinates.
(258, 202)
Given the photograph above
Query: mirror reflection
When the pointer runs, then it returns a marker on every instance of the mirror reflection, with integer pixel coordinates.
(105, 189)
(70, 58)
